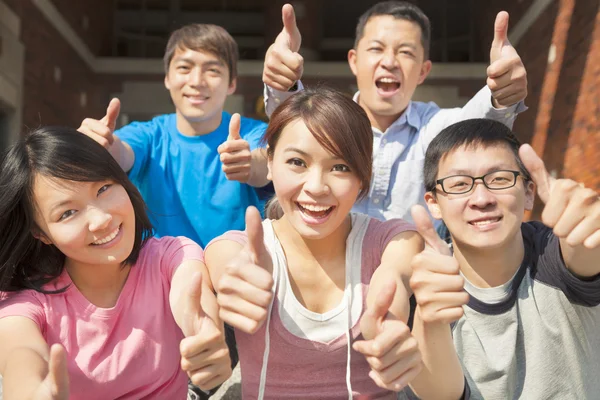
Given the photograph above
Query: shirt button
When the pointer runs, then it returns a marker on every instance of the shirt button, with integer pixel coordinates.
(384, 141)
(508, 115)
(376, 201)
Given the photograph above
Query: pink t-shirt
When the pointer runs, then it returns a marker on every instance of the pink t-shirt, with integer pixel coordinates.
(130, 351)
(303, 369)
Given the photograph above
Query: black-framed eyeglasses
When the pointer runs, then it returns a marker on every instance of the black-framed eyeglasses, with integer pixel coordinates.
(495, 180)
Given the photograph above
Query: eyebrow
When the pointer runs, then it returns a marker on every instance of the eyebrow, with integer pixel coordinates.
(404, 44)
(490, 169)
(305, 154)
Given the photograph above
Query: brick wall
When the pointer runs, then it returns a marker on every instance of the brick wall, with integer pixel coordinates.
(46, 101)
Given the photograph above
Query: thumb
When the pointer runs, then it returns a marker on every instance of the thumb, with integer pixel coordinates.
(254, 229)
(427, 230)
(500, 36)
(193, 310)
(372, 320)
(290, 28)
(540, 176)
(112, 113)
(234, 127)
(58, 375)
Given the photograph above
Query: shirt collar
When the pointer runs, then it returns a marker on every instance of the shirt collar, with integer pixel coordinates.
(410, 116)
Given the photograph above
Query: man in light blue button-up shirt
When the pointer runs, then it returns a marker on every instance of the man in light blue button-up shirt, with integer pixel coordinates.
(390, 59)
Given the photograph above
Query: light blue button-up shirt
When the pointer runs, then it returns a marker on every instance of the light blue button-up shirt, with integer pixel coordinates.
(399, 152)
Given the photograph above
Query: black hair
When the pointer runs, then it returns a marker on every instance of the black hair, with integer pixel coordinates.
(399, 10)
(55, 152)
(468, 133)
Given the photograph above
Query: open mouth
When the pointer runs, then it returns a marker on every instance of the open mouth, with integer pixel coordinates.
(315, 213)
(485, 222)
(197, 99)
(107, 239)
(387, 85)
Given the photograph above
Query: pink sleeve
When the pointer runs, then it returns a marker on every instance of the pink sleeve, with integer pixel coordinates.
(26, 303)
(235, 236)
(174, 251)
(379, 234)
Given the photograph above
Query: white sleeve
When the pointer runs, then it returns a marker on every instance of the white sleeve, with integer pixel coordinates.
(274, 97)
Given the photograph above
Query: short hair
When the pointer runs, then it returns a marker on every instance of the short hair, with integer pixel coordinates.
(470, 133)
(54, 152)
(339, 125)
(204, 37)
(399, 10)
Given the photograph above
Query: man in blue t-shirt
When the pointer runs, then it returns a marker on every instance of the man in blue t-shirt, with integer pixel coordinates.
(198, 168)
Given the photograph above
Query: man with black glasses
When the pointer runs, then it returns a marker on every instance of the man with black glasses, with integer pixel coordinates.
(530, 325)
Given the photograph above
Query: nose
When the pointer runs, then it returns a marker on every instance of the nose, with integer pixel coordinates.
(389, 59)
(196, 78)
(98, 219)
(315, 183)
(481, 196)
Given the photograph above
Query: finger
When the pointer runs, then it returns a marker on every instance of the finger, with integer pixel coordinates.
(398, 368)
(573, 213)
(398, 384)
(513, 99)
(208, 341)
(580, 233)
(537, 170)
(192, 310)
(205, 377)
(290, 27)
(234, 127)
(249, 291)
(240, 321)
(58, 375)
(98, 128)
(427, 231)
(254, 229)
(395, 334)
(206, 358)
(243, 270)
(112, 113)
(504, 65)
(243, 306)
(447, 315)
(236, 169)
(234, 146)
(500, 35)
(593, 241)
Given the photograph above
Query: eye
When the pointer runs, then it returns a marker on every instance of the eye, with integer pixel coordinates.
(374, 49)
(183, 68)
(214, 71)
(407, 53)
(296, 162)
(66, 214)
(104, 188)
(459, 184)
(341, 168)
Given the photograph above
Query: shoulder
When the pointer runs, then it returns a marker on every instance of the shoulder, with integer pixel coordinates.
(161, 123)
(392, 226)
(252, 125)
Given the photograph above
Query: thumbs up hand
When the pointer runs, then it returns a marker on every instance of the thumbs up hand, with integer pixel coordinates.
(390, 349)
(283, 64)
(235, 153)
(56, 384)
(204, 353)
(507, 77)
(102, 130)
(571, 210)
(436, 282)
(244, 290)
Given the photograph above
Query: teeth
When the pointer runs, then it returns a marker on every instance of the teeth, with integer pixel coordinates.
(108, 238)
(314, 207)
(486, 222)
(388, 80)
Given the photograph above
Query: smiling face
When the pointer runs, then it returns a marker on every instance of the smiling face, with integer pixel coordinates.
(198, 82)
(91, 223)
(389, 64)
(315, 188)
(481, 219)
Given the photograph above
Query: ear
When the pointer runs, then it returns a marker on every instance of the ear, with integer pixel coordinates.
(167, 84)
(433, 205)
(529, 195)
(425, 70)
(41, 236)
(232, 87)
(352, 60)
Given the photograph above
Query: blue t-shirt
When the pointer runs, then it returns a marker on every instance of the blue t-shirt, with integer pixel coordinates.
(182, 181)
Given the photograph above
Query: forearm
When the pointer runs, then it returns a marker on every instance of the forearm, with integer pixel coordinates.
(258, 168)
(123, 153)
(273, 97)
(23, 372)
(442, 376)
(400, 308)
(581, 261)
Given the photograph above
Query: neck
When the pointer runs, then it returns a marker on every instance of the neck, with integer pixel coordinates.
(381, 122)
(189, 127)
(490, 268)
(322, 250)
(100, 284)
